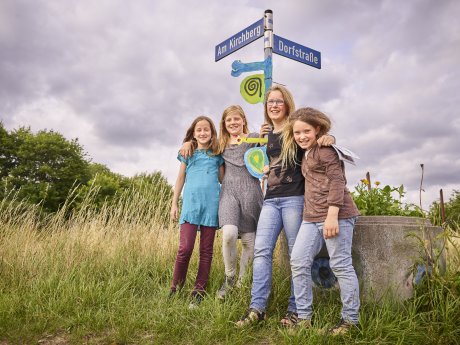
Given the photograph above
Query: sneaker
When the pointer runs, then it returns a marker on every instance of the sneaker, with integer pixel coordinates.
(252, 316)
(304, 324)
(300, 325)
(229, 282)
(197, 298)
(290, 319)
(341, 328)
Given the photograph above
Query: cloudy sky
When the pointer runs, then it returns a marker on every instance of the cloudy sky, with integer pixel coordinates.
(127, 78)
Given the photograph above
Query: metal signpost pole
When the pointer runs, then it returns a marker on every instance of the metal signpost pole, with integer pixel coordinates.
(268, 48)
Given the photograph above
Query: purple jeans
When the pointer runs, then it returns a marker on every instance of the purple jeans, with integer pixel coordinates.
(188, 234)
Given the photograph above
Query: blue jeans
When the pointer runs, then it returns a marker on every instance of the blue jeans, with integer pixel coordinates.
(308, 244)
(276, 214)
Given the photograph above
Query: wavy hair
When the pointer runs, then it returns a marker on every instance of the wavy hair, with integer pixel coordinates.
(314, 118)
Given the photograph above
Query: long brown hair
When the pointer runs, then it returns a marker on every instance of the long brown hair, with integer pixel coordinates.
(189, 135)
(224, 136)
(288, 102)
(314, 118)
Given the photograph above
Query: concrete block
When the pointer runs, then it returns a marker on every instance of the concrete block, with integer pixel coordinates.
(386, 251)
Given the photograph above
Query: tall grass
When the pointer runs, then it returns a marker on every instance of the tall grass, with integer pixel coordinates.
(103, 277)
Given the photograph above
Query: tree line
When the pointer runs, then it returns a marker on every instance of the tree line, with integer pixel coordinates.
(45, 167)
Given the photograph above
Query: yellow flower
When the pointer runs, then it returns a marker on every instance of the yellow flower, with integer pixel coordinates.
(365, 181)
(377, 183)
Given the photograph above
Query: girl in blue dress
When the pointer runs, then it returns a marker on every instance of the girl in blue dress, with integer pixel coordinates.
(201, 173)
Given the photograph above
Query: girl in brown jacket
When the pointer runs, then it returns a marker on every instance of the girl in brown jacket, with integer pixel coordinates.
(329, 216)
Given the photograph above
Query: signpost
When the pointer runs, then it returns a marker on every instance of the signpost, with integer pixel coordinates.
(272, 43)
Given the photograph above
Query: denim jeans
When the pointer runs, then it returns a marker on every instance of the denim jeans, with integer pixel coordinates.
(308, 244)
(276, 214)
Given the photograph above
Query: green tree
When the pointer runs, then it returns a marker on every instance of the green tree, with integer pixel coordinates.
(104, 185)
(7, 157)
(45, 166)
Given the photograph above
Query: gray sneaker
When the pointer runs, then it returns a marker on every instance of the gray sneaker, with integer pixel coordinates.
(229, 283)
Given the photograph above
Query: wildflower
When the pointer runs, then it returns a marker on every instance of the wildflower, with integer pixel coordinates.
(377, 183)
(366, 182)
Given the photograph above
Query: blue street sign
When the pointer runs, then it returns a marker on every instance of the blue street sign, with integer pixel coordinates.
(239, 40)
(295, 51)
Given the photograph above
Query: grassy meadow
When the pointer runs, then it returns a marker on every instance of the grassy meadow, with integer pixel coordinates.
(103, 277)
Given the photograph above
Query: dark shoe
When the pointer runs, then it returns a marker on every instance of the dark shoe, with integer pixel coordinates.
(290, 319)
(341, 328)
(196, 300)
(172, 293)
(228, 284)
(251, 317)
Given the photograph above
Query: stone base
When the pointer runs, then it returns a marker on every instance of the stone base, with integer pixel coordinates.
(387, 250)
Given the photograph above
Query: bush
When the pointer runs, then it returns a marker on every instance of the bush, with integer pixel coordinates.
(382, 202)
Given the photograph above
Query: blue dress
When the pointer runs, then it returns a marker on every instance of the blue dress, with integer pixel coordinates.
(200, 200)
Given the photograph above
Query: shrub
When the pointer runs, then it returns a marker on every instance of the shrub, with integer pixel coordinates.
(378, 201)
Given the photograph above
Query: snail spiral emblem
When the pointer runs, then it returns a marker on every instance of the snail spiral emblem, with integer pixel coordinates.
(252, 88)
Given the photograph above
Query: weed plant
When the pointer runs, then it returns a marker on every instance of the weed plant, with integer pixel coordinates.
(103, 277)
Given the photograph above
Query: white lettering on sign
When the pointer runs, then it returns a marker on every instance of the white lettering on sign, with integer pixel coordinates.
(239, 39)
(297, 52)
(247, 34)
(221, 50)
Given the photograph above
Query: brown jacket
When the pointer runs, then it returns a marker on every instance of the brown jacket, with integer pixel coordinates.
(325, 185)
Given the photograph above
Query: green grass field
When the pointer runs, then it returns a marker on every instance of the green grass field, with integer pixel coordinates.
(103, 278)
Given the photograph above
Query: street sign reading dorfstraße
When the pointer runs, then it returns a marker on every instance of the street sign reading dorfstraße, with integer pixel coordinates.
(295, 51)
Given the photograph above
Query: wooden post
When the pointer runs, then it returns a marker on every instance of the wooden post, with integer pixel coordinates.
(368, 178)
(443, 211)
(421, 187)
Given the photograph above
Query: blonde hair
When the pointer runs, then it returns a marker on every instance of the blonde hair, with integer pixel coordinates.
(287, 98)
(189, 135)
(314, 118)
(224, 136)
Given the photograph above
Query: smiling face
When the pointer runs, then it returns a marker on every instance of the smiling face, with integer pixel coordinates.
(202, 133)
(276, 107)
(304, 134)
(234, 124)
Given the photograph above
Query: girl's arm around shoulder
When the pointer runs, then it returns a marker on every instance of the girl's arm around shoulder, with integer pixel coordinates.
(186, 149)
(221, 173)
(177, 191)
(326, 140)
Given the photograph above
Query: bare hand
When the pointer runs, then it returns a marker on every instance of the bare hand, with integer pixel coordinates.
(265, 129)
(326, 140)
(174, 214)
(330, 227)
(266, 169)
(186, 149)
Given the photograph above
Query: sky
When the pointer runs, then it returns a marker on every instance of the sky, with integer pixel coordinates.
(128, 78)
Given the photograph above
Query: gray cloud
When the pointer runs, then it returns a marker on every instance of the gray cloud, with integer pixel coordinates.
(130, 77)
